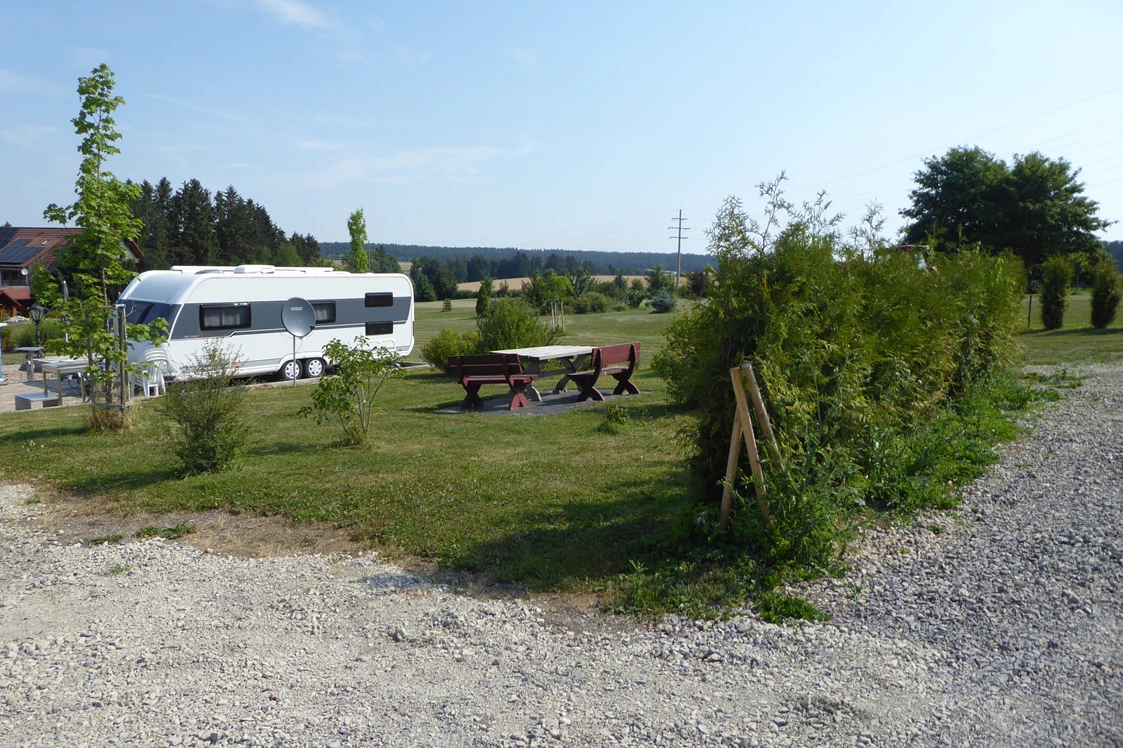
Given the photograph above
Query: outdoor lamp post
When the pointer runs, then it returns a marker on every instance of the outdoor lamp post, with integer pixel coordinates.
(38, 312)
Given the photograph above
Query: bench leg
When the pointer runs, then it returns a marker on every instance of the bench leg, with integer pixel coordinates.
(590, 392)
(625, 385)
(472, 400)
(518, 399)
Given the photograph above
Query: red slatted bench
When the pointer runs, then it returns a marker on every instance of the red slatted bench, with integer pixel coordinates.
(620, 361)
(490, 368)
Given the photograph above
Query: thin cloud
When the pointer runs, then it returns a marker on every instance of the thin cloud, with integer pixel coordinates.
(26, 136)
(296, 13)
(193, 107)
(11, 82)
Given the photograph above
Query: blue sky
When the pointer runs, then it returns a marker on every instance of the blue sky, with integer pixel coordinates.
(566, 125)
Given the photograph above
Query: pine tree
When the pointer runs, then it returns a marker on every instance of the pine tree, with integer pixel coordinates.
(194, 225)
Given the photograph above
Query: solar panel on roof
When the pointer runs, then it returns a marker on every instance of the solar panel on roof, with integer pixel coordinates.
(6, 234)
(19, 252)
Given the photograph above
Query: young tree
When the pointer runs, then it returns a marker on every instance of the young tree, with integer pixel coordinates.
(357, 226)
(483, 296)
(94, 258)
(1105, 293)
(1057, 274)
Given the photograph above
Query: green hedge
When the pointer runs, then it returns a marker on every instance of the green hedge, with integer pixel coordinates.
(850, 349)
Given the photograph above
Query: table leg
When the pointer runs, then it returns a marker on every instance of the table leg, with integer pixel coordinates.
(572, 365)
(45, 383)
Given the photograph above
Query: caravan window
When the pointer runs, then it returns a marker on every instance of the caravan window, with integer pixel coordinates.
(146, 312)
(233, 317)
(380, 328)
(380, 299)
(325, 312)
(136, 310)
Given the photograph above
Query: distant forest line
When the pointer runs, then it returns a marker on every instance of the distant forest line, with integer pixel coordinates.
(503, 262)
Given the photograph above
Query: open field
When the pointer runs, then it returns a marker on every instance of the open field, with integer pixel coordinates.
(516, 284)
(1077, 341)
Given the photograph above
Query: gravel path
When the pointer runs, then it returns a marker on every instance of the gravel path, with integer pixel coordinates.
(1001, 627)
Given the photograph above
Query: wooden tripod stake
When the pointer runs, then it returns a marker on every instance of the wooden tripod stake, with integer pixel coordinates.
(743, 430)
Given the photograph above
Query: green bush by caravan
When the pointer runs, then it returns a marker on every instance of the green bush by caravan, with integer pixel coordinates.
(241, 307)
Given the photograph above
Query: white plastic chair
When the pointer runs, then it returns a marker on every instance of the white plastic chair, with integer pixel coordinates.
(151, 380)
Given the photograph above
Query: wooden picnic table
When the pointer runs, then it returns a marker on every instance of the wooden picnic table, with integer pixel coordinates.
(572, 357)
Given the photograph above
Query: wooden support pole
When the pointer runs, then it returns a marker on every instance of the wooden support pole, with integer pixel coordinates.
(761, 413)
(731, 471)
(742, 430)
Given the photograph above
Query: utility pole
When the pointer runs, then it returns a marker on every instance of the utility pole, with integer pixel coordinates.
(680, 237)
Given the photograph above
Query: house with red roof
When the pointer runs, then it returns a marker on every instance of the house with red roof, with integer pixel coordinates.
(24, 248)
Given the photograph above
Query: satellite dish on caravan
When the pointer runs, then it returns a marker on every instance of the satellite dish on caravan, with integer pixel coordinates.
(299, 317)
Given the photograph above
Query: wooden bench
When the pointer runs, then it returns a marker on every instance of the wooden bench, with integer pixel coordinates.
(23, 402)
(619, 361)
(491, 368)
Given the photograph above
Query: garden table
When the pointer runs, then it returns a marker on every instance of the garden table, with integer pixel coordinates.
(59, 368)
(30, 353)
(572, 358)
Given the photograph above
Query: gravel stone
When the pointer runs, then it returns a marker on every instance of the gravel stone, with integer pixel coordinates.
(999, 624)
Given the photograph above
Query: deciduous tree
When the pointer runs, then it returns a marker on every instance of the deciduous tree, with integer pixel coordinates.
(357, 227)
(1035, 208)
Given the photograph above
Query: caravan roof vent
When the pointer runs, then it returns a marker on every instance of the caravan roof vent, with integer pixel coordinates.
(254, 269)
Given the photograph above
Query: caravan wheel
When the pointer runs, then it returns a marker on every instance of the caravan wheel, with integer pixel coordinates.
(314, 367)
(291, 370)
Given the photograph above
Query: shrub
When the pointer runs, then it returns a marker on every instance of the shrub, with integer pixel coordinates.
(1105, 294)
(511, 323)
(346, 396)
(591, 302)
(447, 305)
(1056, 275)
(659, 280)
(206, 412)
(663, 302)
(636, 294)
(6, 342)
(842, 343)
(449, 342)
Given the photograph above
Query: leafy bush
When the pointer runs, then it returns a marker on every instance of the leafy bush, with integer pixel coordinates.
(449, 342)
(637, 293)
(547, 287)
(1056, 275)
(346, 396)
(447, 305)
(592, 302)
(1105, 294)
(512, 324)
(663, 302)
(6, 341)
(658, 281)
(206, 412)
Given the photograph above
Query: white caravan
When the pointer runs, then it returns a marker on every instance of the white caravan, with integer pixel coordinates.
(242, 307)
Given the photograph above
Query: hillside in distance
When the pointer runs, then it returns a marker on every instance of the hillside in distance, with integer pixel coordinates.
(603, 262)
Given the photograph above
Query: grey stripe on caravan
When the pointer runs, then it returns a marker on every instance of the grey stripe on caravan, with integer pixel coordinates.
(240, 333)
(265, 316)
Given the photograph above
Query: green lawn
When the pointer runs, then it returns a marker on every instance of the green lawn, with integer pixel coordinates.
(546, 498)
(1077, 342)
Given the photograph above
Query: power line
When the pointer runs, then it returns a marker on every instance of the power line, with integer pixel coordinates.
(680, 229)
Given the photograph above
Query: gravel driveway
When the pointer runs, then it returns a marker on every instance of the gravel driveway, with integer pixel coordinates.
(1002, 626)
